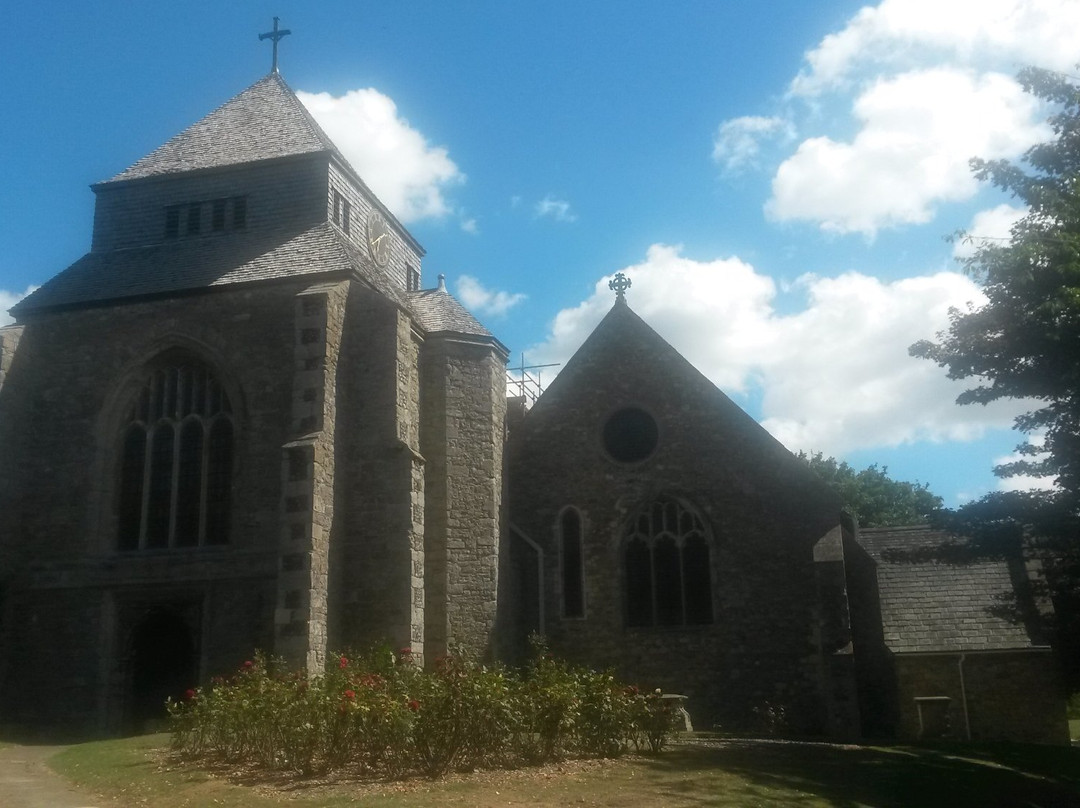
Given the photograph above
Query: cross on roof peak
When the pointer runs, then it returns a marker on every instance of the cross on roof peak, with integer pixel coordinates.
(276, 36)
(619, 284)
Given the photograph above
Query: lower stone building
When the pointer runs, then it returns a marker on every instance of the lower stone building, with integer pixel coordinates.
(674, 540)
(950, 642)
(240, 422)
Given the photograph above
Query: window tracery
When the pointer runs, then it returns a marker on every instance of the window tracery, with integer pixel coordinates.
(175, 460)
(666, 567)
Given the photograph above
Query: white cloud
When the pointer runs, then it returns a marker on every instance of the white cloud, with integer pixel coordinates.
(682, 299)
(900, 99)
(917, 132)
(738, 142)
(898, 34)
(994, 224)
(470, 226)
(557, 209)
(839, 376)
(9, 299)
(834, 377)
(481, 300)
(408, 174)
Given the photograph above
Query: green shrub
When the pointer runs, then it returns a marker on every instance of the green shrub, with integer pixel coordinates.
(656, 719)
(547, 702)
(606, 717)
(380, 714)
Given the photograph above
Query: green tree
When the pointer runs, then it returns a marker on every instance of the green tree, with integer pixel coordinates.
(873, 497)
(1024, 343)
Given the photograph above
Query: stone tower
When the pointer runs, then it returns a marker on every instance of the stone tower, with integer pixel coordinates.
(239, 422)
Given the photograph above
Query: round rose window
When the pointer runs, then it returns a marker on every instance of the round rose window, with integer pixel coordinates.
(630, 435)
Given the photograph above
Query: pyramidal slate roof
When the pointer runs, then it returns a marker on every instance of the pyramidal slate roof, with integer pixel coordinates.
(437, 311)
(936, 600)
(263, 122)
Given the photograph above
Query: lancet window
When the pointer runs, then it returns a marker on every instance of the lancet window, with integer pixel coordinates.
(572, 563)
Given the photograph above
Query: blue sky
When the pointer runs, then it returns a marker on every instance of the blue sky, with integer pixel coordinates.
(777, 178)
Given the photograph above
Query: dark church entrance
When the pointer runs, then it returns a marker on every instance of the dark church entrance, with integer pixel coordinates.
(163, 664)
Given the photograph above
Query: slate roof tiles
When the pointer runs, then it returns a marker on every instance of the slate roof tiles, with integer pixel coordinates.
(941, 601)
(263, 122)
(438, 311)
(187, 265)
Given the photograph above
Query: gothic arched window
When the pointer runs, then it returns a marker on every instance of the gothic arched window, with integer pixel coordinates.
(176, 456)
(666, 568)
(572, 563)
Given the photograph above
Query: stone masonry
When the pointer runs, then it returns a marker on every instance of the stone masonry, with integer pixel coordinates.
(239, 248)
(779, 610)
(238, 423)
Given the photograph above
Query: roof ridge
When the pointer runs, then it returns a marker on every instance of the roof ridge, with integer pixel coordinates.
(265, 120)
(317, 130)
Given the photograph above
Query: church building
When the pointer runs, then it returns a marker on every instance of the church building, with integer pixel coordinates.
(244, 421)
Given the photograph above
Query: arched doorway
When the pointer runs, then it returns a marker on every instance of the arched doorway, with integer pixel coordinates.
(163, 665)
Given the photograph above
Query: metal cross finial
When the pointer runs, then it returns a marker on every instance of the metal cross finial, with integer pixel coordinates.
(276, 36)
(619, 284)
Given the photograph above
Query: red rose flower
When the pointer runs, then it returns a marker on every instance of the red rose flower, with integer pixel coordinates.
(350, 694)
(189, 694)
(343, 663)
(414, 705)
(248, 665)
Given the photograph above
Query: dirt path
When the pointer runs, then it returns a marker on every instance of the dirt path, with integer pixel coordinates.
(26, 782)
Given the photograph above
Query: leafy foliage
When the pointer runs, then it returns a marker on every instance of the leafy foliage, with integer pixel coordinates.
(381, 715)
(1024, 343)
(873, 497)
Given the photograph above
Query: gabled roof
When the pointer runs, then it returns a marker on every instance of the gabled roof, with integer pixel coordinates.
(263, 122)
(935, 598)
(626, 359)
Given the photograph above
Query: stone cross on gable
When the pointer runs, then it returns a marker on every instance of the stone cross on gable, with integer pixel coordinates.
(619, 284)
(276, 36)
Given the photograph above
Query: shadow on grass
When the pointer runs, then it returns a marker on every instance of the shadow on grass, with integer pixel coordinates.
(703, 770)
(992, 775)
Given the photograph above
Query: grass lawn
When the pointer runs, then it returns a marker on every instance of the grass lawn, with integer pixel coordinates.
(703, 772)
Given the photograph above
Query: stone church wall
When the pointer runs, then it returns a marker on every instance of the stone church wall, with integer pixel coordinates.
(1008, 695)
(762, 661)
(60, 411)
(9, 341)
(464, 406)
(378, 565)
(309, 477)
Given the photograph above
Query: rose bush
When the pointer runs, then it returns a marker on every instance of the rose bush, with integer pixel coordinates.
(381, 714)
